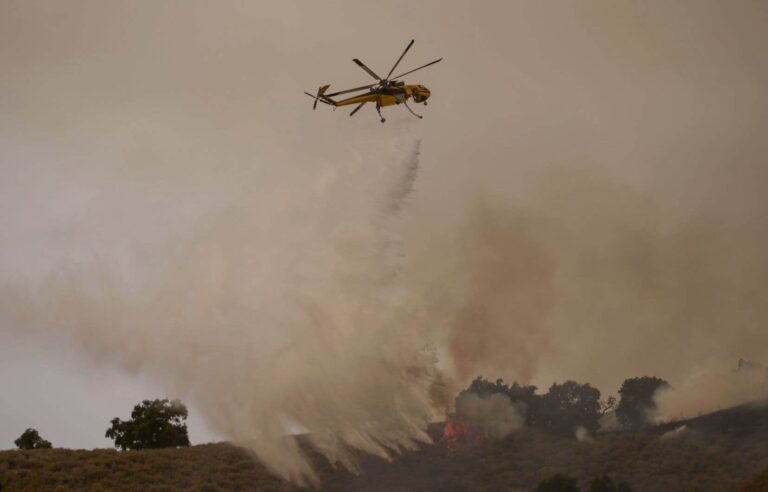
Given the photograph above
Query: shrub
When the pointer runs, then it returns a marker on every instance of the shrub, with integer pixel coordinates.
(558, 482)
(604, 483)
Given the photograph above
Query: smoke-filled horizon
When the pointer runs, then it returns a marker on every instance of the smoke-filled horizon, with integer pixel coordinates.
(587, 204)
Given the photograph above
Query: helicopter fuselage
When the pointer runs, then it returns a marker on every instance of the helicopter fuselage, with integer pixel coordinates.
(389, 95)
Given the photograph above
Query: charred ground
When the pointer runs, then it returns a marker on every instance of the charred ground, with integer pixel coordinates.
(717, 452)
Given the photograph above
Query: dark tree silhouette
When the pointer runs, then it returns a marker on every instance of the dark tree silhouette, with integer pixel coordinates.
(564, 408)
(636, 405)
(568, 406)
(30, 439)
(524, 396)
(153, 424)
(558, 483)
(604, 483)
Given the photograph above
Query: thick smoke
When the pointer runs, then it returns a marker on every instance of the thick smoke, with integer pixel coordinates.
(493, 416)
(713, 388)
(490, 270)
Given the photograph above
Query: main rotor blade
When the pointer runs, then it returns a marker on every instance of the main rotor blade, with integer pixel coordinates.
(423, 66)
(351, 90)
(401, 57)
(370, 72)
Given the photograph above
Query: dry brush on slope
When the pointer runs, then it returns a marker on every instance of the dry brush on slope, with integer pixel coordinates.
(718, 452)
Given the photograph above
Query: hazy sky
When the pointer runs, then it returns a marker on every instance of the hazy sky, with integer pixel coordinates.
(627, 138)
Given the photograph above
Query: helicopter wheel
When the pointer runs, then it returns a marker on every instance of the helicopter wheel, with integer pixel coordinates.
(383, 120)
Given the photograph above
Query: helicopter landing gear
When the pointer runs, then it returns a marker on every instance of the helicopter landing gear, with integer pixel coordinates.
(357, 108)
(378, 110)
(414, 114)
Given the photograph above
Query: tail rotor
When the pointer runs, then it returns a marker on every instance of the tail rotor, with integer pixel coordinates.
(320, 95)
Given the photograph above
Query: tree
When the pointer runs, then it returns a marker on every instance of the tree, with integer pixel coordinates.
(568, 406)
(636, 406)
(521, 396)
(604, 483)
(153, 424)
(558, 483)
(562, 410)
(607, 405)
(30, 439)
(526, 395)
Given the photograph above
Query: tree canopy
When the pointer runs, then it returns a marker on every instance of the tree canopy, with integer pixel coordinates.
(524, 397)
(568, 406)
(153, 424)
(561, 410)
(636, 404)
(30, 439)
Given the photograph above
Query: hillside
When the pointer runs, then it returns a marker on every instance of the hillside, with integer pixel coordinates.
(717, 452)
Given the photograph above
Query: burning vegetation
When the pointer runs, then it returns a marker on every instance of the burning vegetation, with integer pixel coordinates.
(457, 433)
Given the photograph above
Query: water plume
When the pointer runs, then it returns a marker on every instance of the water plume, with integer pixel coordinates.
(297, 324)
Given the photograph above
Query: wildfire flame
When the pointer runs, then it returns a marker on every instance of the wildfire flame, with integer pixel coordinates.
(457, 432)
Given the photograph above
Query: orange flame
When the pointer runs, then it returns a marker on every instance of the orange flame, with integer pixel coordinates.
(457, 432)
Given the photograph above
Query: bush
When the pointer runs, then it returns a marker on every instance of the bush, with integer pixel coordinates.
(604, 483)
(558, 482)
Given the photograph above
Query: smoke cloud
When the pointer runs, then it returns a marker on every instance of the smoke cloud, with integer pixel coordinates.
(494, 416)
(711, 389)
(678, 432)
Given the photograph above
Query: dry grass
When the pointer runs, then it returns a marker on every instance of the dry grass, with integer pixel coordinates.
(716, 453)
(209, 467)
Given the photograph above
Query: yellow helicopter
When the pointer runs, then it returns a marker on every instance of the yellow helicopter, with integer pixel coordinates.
(387, 91)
